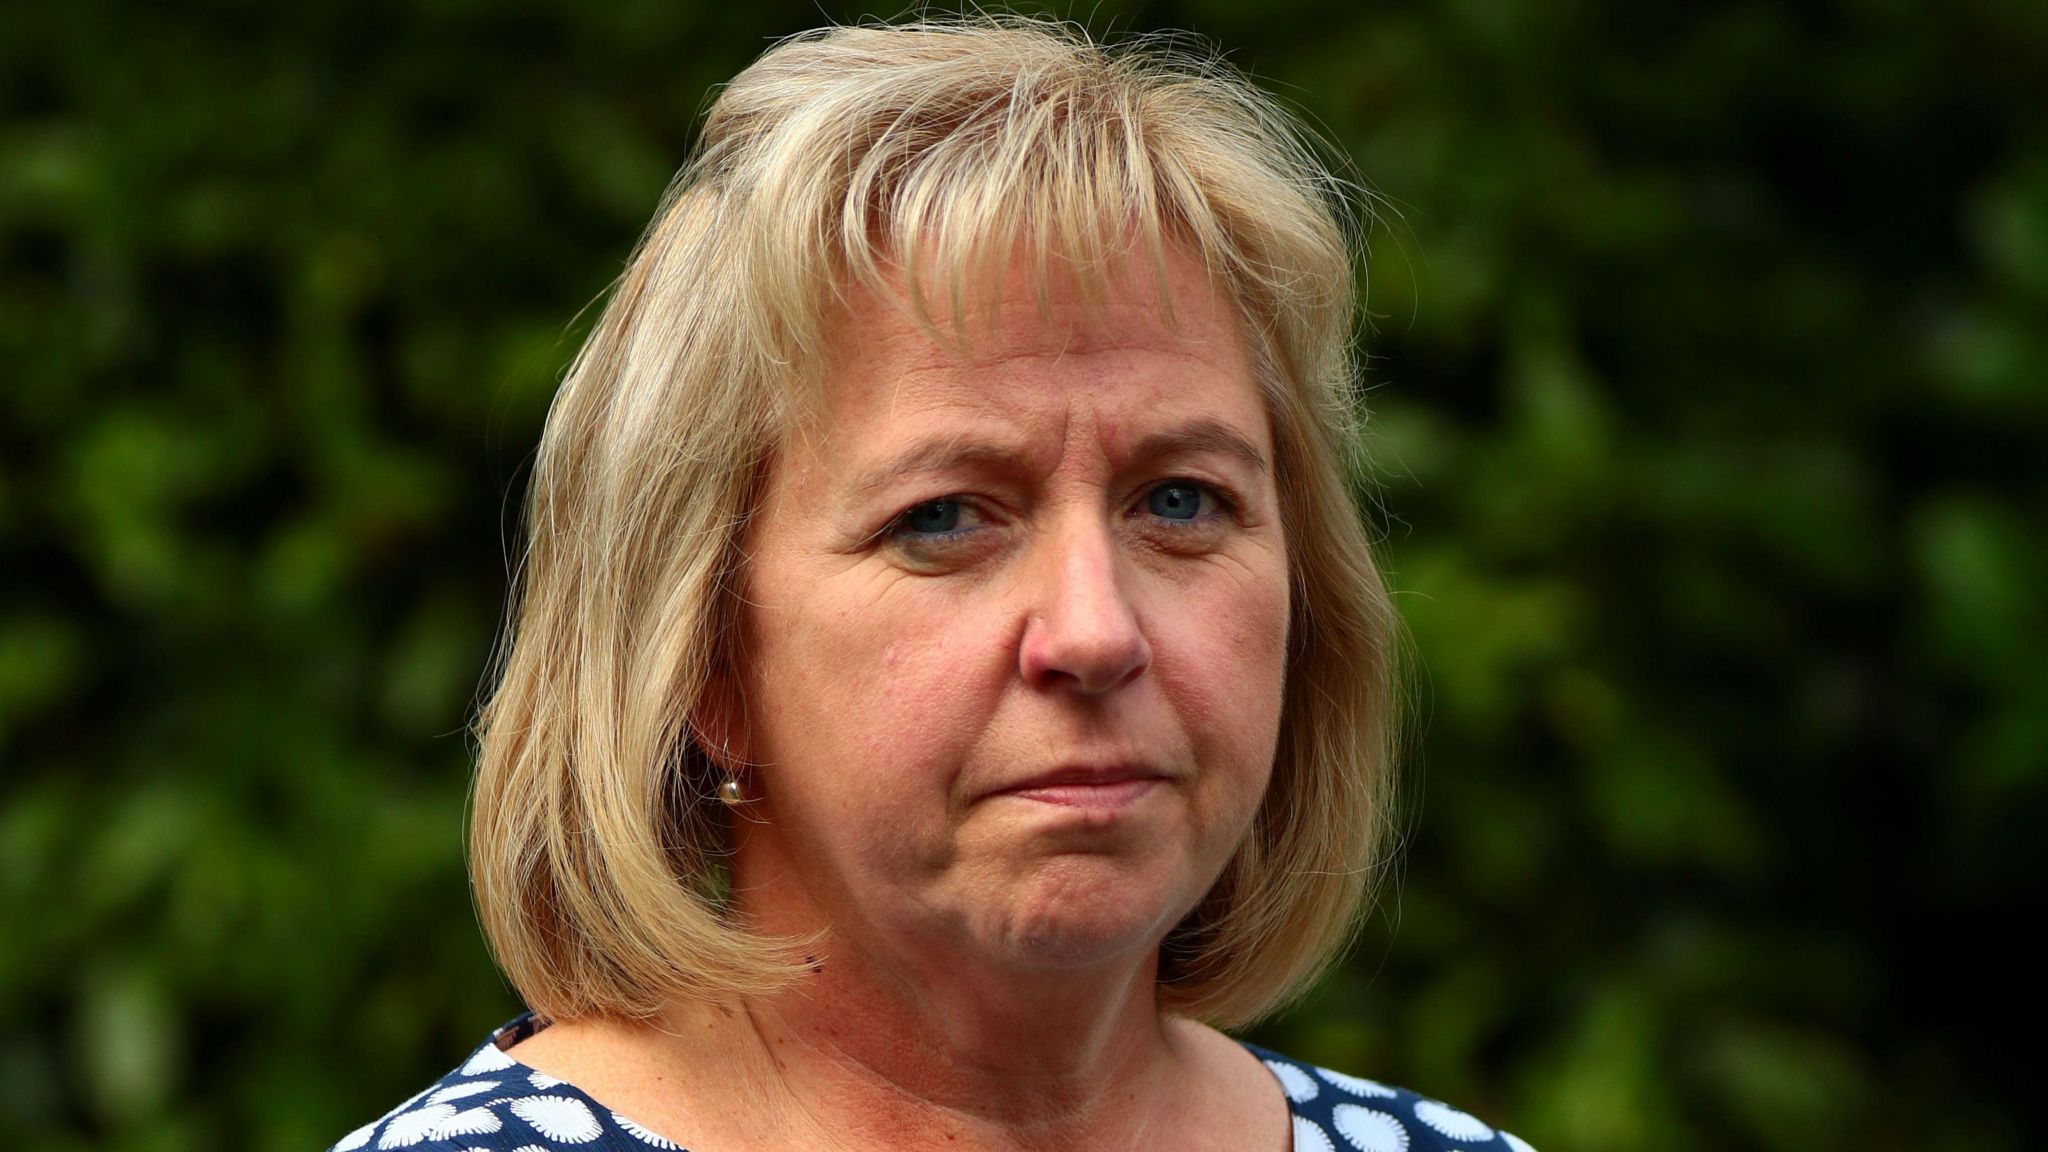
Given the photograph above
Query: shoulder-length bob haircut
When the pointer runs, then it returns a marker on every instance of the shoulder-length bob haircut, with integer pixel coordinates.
(928, 156)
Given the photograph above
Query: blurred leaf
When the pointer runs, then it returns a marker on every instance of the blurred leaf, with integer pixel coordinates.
(41, 657)
(1601, 1090)
(1983, 569)
(128, 1043)
(1786, 1088)
(1664, 801)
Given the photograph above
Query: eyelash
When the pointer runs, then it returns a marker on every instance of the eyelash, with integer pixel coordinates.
(897, 528)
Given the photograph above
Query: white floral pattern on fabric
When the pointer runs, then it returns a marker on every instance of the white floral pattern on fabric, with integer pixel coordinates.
(1451, 1122)
(458, 1091)
(473, 1122)
(409, 1128)
(1358, 1085)
(643, 1135)
(1369, 1129)
(1310, 1137)
(559, 1118)
(1299, 1087)
(479, 1107)
(487, 1059)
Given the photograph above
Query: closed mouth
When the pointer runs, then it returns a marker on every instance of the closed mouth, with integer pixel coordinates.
(1090, 786)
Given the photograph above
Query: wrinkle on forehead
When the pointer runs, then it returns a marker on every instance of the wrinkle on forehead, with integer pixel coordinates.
(1175, 309)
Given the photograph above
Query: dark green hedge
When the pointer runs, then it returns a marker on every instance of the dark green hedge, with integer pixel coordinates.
(1710, 365)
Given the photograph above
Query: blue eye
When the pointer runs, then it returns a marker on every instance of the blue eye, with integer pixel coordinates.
(1175, 501)
(933, 517)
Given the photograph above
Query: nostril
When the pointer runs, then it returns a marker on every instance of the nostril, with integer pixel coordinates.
(1095, 655)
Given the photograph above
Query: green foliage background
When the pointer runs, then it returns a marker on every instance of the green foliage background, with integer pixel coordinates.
(1710, 353)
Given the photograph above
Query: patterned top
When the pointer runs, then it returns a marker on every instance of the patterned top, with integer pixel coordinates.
(494, 1102)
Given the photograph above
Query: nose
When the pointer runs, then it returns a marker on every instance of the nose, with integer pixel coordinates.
(1083, 629)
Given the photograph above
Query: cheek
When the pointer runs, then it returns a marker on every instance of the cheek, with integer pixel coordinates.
(877, 698)
(1229, 657)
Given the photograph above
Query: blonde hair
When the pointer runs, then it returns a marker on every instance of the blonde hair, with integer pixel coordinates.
(935, 152)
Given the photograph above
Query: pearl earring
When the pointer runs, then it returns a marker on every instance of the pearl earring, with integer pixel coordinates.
(731, 792)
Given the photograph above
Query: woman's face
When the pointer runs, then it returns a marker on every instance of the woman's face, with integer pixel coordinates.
(1015, 634)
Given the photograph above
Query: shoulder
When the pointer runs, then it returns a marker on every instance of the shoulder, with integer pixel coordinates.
(1333, 1112)
(491, 1101)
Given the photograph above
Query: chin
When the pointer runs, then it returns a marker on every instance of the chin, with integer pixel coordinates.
(1082, 920)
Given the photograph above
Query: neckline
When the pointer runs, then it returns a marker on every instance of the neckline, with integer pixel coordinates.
(509, 1035)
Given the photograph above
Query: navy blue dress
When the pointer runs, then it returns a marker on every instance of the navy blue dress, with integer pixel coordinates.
(494, 1102)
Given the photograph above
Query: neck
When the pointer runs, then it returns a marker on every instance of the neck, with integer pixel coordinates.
(969, 1040)
(905, 1053)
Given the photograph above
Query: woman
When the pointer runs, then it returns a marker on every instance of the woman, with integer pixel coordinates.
(949, 675)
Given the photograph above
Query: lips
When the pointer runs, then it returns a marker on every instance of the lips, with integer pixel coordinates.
(1088, 776)
(1100, 789)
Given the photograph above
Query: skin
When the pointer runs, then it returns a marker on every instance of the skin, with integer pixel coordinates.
(1084, 567)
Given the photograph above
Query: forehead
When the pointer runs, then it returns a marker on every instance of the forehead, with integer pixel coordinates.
(1147, 338)
(1023, 309)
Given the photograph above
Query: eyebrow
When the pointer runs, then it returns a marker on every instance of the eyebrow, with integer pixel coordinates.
(1203, 435)
(1199, 436)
